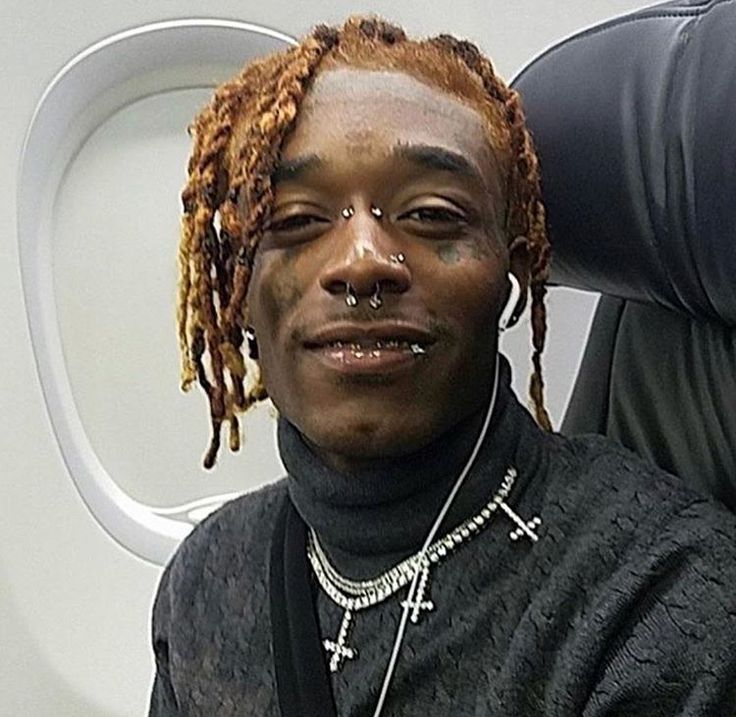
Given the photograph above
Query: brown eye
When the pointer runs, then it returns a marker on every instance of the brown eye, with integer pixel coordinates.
(295, 223)
(434, 222)
(435, 214)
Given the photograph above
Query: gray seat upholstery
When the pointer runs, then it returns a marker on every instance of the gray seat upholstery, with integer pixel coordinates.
(635, 124)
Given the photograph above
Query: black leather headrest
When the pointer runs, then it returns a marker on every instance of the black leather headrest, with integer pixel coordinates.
(635, 124)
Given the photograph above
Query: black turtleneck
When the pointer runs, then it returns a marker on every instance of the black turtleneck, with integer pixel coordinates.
(377, 516)
(625, 606)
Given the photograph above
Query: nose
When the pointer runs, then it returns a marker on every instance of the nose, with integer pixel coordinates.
(365, 259)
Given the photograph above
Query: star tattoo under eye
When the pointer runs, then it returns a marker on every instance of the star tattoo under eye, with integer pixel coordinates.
(448, 252)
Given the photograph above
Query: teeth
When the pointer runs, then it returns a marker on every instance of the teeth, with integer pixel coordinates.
(374, 347)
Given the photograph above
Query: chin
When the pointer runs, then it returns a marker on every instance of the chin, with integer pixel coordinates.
(362, 438)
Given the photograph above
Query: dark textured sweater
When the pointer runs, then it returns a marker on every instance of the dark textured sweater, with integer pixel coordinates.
(625, 606)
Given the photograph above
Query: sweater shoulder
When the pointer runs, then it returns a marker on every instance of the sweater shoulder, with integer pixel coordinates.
(236, 536)
(598, 466)
(601, 487)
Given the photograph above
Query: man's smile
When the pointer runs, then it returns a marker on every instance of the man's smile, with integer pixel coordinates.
(376, 347)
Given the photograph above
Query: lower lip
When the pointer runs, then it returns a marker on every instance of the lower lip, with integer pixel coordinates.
(376, 361)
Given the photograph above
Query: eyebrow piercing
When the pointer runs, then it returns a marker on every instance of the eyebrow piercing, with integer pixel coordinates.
(377, 212)
(348, 212)
(376, 301)
(397, 258)
(350, 297)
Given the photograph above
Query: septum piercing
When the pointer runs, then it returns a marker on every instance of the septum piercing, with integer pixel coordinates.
(350, 297)
(376, 301)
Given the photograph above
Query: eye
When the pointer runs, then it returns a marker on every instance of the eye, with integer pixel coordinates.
(295, 223)
(434, 221)
(434, 214)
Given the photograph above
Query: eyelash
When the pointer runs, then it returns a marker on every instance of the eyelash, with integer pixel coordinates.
(439, 215)
(295, 222)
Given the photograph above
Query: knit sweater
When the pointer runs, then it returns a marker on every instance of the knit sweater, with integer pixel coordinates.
(626, 604)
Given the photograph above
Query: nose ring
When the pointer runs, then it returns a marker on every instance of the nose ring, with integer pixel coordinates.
(350, 297)
(397, 258)
(376, 301)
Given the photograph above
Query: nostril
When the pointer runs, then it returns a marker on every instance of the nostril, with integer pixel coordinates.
(392, 287)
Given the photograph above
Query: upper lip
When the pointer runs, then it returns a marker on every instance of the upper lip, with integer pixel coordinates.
(350, 332)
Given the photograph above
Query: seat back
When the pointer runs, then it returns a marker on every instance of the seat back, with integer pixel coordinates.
(635, 125)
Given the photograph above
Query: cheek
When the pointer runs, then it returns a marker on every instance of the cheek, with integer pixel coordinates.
(272, 294)
(469, 281)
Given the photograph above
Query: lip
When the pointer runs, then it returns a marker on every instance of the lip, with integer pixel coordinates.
(370, 349)
(369, 333)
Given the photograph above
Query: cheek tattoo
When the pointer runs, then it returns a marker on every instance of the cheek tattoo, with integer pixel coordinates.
(448, 252)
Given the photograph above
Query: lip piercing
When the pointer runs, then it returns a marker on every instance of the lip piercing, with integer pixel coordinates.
(350, 298)
(348, 212)
(375, 300)
(377, 212)
(397, 258)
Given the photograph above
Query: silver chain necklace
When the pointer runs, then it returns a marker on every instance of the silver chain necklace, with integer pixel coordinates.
(355, 595)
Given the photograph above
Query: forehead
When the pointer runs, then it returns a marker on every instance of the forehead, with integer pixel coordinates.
(368, 109)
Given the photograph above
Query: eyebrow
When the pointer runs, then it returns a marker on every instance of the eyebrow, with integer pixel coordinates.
(438, 158)
(293, 169)
(423, 155)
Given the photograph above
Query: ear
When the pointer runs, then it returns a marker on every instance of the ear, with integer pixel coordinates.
(520, 266)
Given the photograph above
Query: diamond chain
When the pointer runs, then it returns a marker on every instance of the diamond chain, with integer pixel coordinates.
(355, 595)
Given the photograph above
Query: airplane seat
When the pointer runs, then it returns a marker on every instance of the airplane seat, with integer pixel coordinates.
(635, 126)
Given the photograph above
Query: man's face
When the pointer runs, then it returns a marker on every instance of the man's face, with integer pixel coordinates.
(360, 382)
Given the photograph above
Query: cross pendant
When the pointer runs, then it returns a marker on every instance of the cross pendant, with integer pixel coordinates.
(340, 651)
(530, 524)
(419, 603)
(522, 527)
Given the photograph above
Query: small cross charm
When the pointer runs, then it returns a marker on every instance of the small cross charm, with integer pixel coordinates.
(530, 524)
(340, 651)
(419, 603)
(522, 528)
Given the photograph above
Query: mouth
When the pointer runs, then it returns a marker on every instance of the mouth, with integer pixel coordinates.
(359, 347)
(375, 348)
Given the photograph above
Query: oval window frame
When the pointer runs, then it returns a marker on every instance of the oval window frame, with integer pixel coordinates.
(90, 88)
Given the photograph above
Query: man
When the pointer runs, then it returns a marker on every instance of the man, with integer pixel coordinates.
(432, 550)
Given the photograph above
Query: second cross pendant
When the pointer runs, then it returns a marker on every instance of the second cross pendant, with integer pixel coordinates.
(341, 651)
(419, 603)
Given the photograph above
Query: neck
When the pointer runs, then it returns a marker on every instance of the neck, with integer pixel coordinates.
(381, 511)
(353, 467)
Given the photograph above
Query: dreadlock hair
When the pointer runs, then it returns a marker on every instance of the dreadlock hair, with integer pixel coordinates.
(237, 141)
